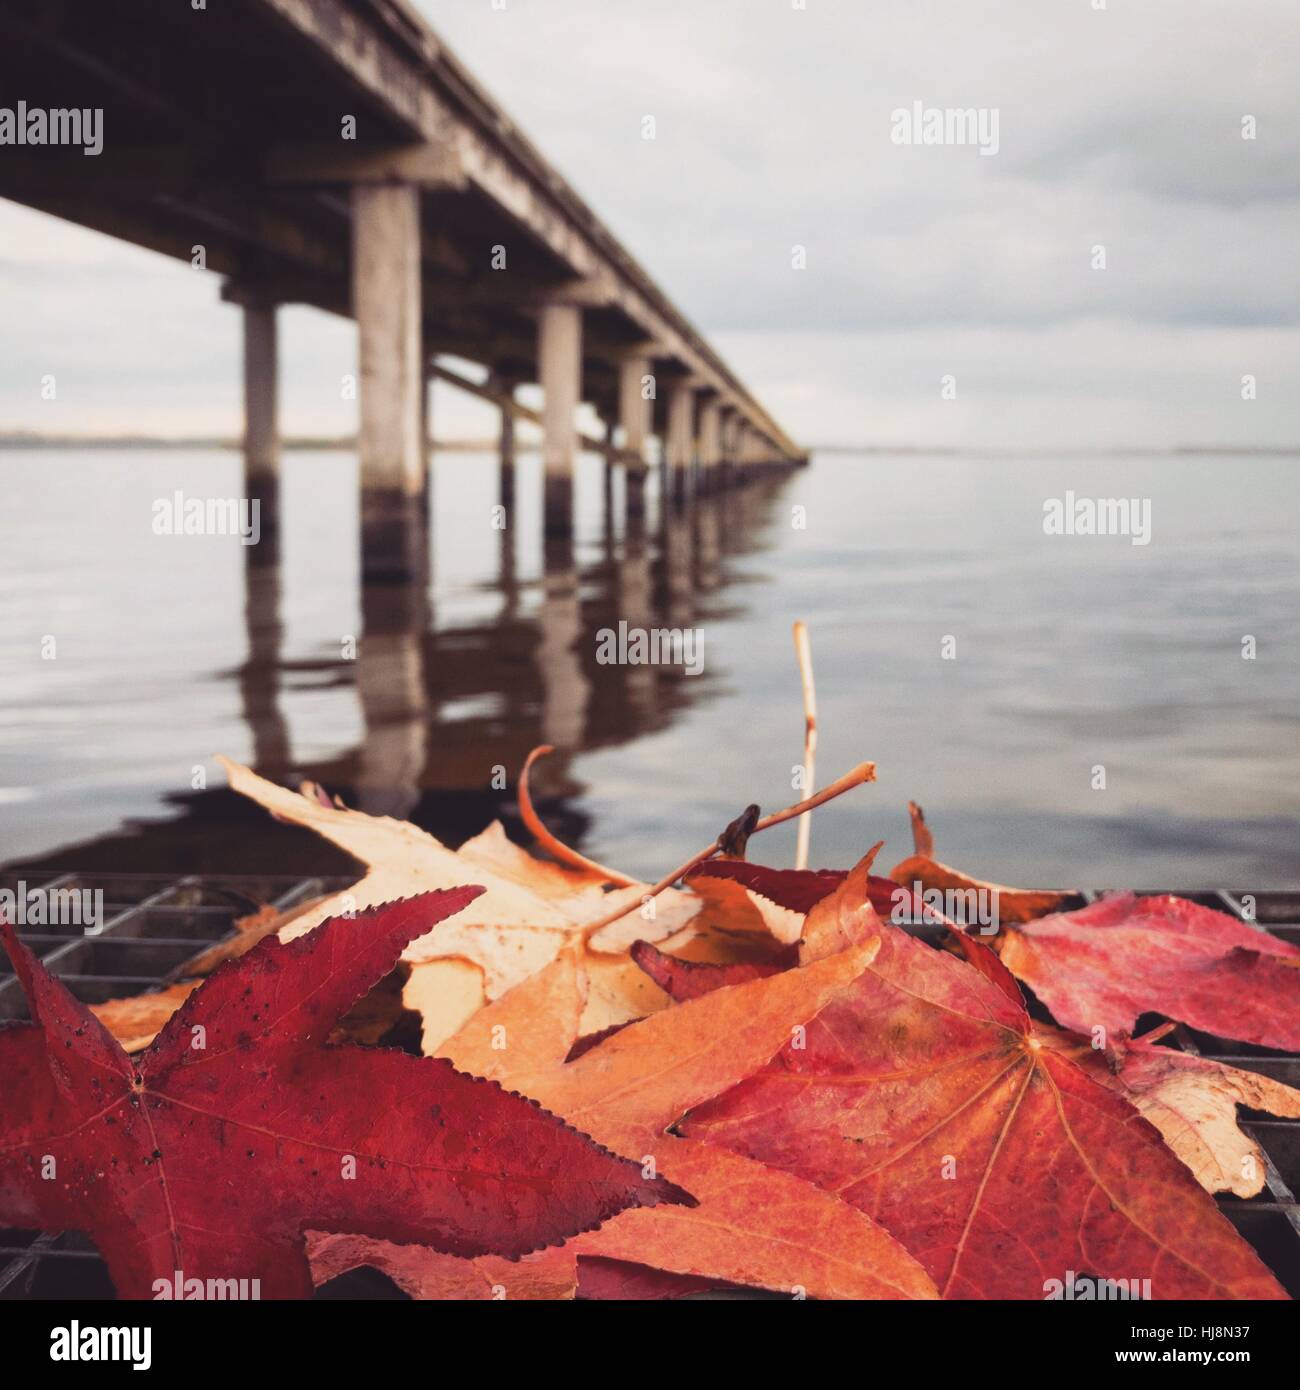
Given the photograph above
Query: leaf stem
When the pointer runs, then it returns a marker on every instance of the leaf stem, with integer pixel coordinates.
(554, 846)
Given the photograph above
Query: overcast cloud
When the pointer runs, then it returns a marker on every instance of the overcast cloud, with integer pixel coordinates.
(1119, 127)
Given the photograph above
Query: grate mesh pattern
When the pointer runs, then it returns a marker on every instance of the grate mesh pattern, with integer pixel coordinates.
(154, 924)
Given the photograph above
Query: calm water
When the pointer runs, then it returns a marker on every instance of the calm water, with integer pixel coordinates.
(1070, 652)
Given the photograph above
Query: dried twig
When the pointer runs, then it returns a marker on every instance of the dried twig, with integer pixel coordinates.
(803, 651)
(864, 772)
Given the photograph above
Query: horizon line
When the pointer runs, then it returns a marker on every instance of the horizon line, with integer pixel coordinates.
(36, 439)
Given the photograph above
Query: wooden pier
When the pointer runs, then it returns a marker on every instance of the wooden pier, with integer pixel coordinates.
(336, 153)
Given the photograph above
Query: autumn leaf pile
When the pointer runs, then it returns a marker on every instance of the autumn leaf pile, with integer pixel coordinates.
(755, 1079)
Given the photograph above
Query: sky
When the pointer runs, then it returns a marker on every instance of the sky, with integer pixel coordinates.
(947, 297)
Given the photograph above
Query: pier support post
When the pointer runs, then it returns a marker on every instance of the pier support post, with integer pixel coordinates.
(607, 474)
(730, 437)
(636, 416)
(681, 437)
(505, 387)
(760, 453)
(710, 445)
(634, 497)
(386, 301)
(634, 410)
(427, 379)
(559, 355)
(744, 451)
(261, 424)
(507, 444)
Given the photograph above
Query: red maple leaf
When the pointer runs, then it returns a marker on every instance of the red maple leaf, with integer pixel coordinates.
(239, 1127)
(922, 1096)
(1116, 959)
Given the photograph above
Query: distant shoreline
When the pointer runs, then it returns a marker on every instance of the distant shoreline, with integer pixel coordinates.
(306, 444)
(1060, 450)
(297, 444)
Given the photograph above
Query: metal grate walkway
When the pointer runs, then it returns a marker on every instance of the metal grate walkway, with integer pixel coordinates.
(154, 924)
